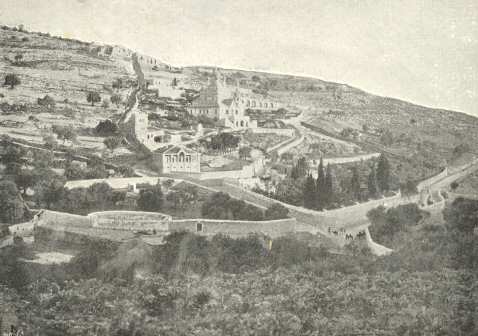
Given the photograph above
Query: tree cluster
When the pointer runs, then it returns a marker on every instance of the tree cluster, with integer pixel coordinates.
(222, 142)
(106, 128)
(222, 206)
(64, 133)
(319, 193)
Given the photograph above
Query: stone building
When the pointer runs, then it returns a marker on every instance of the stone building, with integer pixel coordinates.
(220, 102)
(178, 159)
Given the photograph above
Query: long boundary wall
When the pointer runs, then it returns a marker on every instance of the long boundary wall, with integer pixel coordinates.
(65, 228)
(432, 180)
(278, 131)
(291, 145)
(235, 228)
(115, 183)
(321, 219)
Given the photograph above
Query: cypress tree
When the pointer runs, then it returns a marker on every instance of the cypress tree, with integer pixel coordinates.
(309, 192)
(302, 166)
(320, 185)
(372, 182)
(383, 173)
(355, 184)
(328, 186)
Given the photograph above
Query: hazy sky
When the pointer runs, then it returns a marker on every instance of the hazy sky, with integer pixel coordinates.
(423, 51)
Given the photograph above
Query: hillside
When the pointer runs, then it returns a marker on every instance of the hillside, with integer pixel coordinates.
(65, 70)
(419, 140)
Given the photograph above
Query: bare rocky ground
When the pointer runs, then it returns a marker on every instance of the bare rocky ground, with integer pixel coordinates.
(66, 71)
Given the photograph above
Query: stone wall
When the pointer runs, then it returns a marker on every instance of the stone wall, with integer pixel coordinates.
(278, 131)
(117, 226)
(290, 145)
(67, 239)
(115, 183)
(432, 180)
(233, 228)
(131, 220)
(347, 216)
(22, 229)
(280, 144)
(48, 217)
(342, 160)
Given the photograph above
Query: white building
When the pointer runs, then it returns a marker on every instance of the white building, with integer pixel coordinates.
(177, 159)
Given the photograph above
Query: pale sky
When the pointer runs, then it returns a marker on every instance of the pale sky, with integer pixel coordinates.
(423, 51)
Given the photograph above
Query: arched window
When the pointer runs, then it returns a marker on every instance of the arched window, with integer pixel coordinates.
(242, 123)
(181, 157)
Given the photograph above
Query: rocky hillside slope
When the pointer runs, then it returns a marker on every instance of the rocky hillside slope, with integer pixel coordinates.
(420, 139)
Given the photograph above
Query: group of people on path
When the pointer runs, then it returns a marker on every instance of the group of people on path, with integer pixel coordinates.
(348, 236)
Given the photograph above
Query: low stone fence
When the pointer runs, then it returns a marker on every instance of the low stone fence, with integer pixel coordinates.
(462, 167)
(131, 220)
(432, 180)
(22, 229)
(280, 144)
(345, 159)
(245, 172)
(117, 226)
(48, 217)
(115, 182)
(339, 217)
(235, 228)
(68, 238)
(278, 131)
(291, 145)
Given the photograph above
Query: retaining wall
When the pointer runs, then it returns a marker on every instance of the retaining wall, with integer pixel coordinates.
(278, 131)
(48, 217)
(245, 172)
(130, 220)
(22, 229)
(115, 183)
(432, 180)
(234, 228)
(62, 237)
(291, 145)
(345, 159)
(337, 217)
(280, 144)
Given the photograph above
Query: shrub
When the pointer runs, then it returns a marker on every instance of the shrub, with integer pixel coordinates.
(106, 128)
(151, 199)
(93, 97)
(12, 80)
(276, 211)
(46, 101)
(221, 206)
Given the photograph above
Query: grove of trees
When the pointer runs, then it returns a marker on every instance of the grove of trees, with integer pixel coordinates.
(325, 191)
(220, 205)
